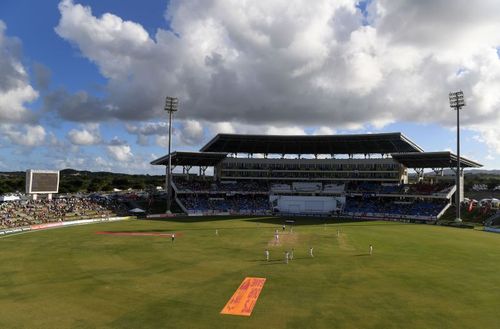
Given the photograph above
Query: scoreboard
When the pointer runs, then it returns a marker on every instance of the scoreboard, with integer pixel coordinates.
(42, 181)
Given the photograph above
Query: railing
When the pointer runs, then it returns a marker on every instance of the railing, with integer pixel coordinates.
(179, 202)
(443, 211)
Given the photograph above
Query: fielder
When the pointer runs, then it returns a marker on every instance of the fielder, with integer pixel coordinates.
(267, 254)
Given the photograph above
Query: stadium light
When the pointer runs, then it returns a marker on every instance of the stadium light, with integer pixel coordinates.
(457, 101)
(171, 106)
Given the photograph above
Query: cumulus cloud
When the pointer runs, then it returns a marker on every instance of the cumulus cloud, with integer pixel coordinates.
(88, 135)
(285, 131)
(74, 162)
(115, 141)
(145, 130)
(297, 63)
(489, 136)
(120, 152)
(78, 107)
(15, 88)
(324, 131)
(190, 132)
(187, 132)
(24, 135)
(148, 128)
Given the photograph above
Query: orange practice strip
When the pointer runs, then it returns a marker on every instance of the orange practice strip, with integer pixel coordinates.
(245, 297)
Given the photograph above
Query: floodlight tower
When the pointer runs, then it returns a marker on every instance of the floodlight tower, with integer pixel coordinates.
(171, 106)
(457, 101)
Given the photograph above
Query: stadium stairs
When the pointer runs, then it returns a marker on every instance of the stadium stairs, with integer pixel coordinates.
(179, 203)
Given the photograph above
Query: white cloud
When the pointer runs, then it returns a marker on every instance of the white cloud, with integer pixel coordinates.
(148, 128)
(25, 135)
(162, 141)
(120, 152)
(261, 66)
(15, 89)
(102, 39)
(71, 162)
(186, 132)
(323, 130)
(489, 135)
(285, 131)
(190, 132)
(222, 128)
(89, 135)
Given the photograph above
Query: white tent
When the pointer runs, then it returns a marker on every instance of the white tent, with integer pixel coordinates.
(5, 198)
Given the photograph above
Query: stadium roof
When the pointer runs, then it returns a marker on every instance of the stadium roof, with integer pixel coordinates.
(204, 159)
(433, 160)
(309, 144)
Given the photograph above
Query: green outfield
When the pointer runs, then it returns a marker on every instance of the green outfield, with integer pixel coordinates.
(419, 276)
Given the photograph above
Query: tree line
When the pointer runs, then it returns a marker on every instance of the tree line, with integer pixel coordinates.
(72, 181)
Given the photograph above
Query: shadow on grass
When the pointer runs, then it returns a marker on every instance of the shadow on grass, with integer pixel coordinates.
(198, 219)
(262, 223)
(298, 221)
(274, 262)
(221, 230)
(361, 255)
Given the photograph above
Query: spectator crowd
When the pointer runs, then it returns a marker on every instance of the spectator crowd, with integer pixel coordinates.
(29, 212)
(232, 204)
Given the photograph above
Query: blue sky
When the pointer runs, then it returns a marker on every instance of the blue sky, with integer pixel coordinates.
(84, 81)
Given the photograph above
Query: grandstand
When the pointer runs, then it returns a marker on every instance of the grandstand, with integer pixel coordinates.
(358, 176)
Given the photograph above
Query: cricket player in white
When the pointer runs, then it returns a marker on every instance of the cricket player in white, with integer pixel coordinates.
(311, 252)
(267, 254)
(287, 256)
(291, 254)
(371, 250)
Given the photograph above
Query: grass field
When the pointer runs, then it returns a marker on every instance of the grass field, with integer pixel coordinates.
(418, 277)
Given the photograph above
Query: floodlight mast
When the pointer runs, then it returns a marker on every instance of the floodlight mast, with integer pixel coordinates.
(171, 106)
(457, 101)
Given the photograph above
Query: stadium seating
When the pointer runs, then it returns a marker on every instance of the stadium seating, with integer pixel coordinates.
(246, 196)
(201, 203)
(184, 185)
(377, 207)
(29, 212)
